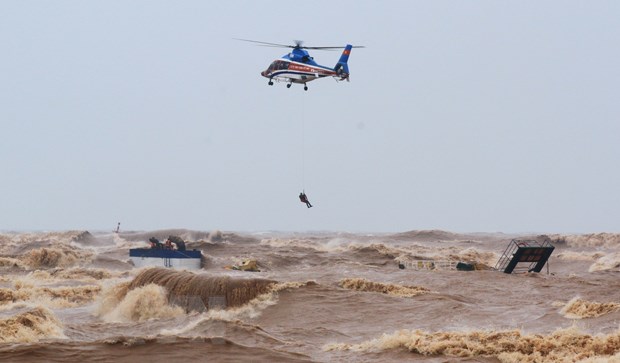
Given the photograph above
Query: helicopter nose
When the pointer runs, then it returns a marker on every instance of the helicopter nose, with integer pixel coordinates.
(263, 73)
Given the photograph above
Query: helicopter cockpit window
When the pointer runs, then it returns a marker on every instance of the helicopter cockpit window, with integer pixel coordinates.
(277, 65)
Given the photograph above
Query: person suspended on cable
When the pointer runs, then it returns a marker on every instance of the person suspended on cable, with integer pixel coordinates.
(304, 199)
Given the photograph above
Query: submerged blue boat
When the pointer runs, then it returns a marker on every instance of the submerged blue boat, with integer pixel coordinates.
(188, 260)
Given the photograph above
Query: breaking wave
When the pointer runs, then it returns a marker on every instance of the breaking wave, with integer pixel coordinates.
(11, 262)
(332, 245)
(359, 284)
(54, 257)
(376, 253)
(252, 308)
(507, 346)
(180, 284)
(57, 297)
(30, 326)
(577, 308)
(483, 260)
(162, 293)
(140, 304)
(608, 240)
(10, 295)
(611, 359)
(376, 250)
(313, 243)
(373, 250)
(18, 243)
(607, 262)
(429, 235)
(76, 273)
(580, 256)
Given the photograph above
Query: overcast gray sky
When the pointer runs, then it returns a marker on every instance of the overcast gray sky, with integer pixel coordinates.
(460, 115)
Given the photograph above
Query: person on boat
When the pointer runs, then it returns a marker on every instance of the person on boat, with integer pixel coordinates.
(168, 244)
(155, 243)
(178, 241)
(304, 199)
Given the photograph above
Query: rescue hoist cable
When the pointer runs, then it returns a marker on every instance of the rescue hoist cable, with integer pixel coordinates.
(303, 144)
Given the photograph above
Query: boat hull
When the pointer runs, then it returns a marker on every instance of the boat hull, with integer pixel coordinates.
(149, 257)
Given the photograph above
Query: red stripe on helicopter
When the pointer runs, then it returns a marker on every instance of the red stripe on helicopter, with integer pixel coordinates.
(300, 68)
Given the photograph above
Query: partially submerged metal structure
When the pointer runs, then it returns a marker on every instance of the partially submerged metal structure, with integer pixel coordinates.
(525, 255)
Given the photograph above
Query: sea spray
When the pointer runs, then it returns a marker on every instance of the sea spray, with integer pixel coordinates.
(54, 257)
(608, 240)
(110, 298)
(11, 295)
(140, 304)
(607, 262)
(11, 262)
(577, 308)
(30, 326)
(55, 297)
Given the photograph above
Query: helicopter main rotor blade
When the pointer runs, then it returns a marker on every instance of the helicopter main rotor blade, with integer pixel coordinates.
(298, 45)
(323, 48)
(266, 44)
(332, 48)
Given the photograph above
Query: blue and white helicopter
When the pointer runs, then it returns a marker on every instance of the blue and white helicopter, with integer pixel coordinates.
(299, 67)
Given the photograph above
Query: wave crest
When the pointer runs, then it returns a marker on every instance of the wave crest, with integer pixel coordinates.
(181, 284)
(30, 326)
(11, 262)
(72, 274)
(140, 304)
(577, 308)
(606, 263)
(609, 240)
(508, 346)
(57, 297)
(360, 284)
(53, 257)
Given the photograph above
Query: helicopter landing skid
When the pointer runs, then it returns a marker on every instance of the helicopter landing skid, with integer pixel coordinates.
(289, 82)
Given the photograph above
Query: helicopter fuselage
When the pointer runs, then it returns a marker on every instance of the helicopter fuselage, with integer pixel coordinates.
(296, 72)
(299, 67)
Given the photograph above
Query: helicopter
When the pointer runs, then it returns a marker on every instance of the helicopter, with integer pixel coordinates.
(299, 67)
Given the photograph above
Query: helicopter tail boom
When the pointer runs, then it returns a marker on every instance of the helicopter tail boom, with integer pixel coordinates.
(341, 68)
